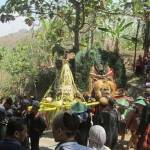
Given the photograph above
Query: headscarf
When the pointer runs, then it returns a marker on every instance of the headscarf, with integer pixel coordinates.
(97, 137)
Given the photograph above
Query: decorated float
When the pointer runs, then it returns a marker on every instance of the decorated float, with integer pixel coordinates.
(67, 93)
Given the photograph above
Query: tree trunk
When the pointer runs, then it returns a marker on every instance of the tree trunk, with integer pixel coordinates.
(76, 41)
(91, 39)
(147, 35)
(79, 7)
(76, 28)
(137, 32)
(116, 46)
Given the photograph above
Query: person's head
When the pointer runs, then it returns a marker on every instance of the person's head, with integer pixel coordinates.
(140, 56)
(25, 104)
(8, 103)
(148, 100)
(35, 107)
(140, 103)
(65, 126)
(97, 137)
(2, 113)
(16, 129)
(80, 110)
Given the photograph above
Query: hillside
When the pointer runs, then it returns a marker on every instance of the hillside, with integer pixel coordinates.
(11, 40)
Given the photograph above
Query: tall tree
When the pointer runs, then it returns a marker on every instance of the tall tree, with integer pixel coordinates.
(73, 12)
(141, 9)
(146, 44)
(117, 32)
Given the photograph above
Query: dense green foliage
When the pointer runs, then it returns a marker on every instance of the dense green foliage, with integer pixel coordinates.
(19, 64)
(73, 25)
(98, 57)
(78, 15)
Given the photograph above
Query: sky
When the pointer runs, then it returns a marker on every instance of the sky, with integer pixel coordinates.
(12, 26)
(2, 2)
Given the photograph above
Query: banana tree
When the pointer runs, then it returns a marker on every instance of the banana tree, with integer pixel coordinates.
(141, 9)
(116, 32)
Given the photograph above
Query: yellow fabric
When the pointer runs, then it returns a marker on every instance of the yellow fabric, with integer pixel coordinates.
(44, 107)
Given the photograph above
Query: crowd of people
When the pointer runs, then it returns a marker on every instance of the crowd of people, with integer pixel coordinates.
(81, 127)
(18, 124)
(99, 128)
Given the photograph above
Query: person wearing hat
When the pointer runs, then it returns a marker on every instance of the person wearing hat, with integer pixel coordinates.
(140, 100)
(107, 117)
(36, 125)
(133, 118)
(80, 109)
(122, 107)
(82, 112)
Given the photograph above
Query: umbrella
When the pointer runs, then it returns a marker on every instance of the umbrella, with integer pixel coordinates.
(123, 102)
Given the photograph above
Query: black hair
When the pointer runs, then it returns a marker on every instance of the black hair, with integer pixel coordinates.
(14, 124)
(71, 123)
(9, 100)
(68, 122)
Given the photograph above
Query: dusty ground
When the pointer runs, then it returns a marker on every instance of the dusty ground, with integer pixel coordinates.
(47, 142)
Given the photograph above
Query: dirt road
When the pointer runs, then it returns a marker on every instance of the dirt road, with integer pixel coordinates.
(47, 142)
